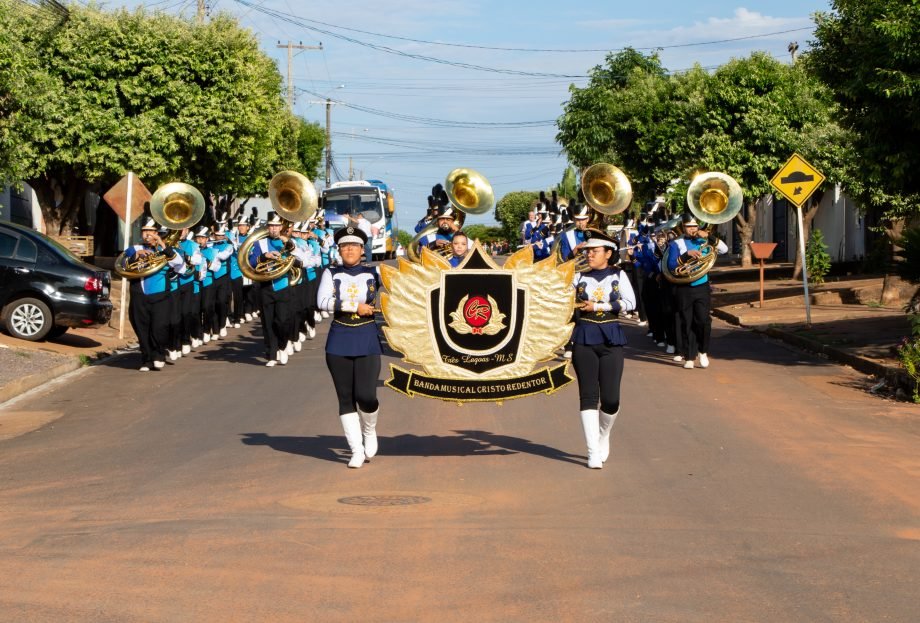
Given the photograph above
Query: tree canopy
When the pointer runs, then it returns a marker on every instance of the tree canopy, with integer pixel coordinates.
(866, 51)
(511, 210)
(147, 92)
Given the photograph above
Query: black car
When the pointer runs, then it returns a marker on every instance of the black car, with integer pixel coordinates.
(45, 289)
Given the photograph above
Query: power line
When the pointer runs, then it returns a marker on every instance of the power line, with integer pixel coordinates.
(436, 122)
(382, 48)
(560, 50)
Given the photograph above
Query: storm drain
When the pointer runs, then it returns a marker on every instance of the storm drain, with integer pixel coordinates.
(384, 500)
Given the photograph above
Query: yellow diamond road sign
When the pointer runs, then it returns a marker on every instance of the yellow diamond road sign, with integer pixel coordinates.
(796, 180)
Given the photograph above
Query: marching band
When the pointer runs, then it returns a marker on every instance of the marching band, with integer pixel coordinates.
(188, 286)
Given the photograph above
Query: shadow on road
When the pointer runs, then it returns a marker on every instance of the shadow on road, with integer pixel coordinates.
(464, 443)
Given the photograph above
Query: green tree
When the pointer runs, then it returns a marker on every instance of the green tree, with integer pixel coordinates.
(511, 211)
(404, 237)
(626, 116)
(760, 112)
(867, 52)
(154, 94)
(483, 233)
(568, 186)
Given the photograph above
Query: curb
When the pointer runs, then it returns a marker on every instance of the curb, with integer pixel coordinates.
(24, 384)
(894, 376)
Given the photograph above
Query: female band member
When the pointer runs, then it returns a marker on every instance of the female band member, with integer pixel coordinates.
(600, 294)
(353, 348)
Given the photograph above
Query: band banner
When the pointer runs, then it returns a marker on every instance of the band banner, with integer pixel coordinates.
(412, 383)
(477, 331)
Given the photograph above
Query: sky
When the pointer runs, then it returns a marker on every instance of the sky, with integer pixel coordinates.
(409, 121)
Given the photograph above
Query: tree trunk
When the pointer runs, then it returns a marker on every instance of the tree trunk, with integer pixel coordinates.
(891, 294)
(808, 216)
(746, 233)
(59, 215)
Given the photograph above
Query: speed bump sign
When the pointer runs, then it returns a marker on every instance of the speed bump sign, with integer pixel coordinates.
(797, 180)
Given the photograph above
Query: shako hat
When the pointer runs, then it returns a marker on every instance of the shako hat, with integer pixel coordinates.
(274, 219)
(350, 234)
(580, 211)
(202, 232)
(687, 218)
(598, 238)
(150, 224)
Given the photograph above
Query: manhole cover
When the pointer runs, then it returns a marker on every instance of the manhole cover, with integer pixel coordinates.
(384, 500)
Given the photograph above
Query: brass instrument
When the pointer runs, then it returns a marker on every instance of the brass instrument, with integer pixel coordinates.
(713, 198)
(293, 198)
(174, 206)
(470, 193)
(607, 191)
(606, 188)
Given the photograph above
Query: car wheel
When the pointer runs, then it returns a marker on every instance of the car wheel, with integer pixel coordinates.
(28, 319)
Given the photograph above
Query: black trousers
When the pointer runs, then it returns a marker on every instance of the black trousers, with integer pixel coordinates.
(599, 369)
(236, 296)
(208, 315)
(669, 315)
(250, 298)
(149, 317)
(221, 302)
(276, 318)
(175, 320)
(191, 314)
(693, 315)
(355, 380)
(651, 297)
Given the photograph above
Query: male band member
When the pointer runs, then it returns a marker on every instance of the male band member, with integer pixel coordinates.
(693, 299)
(237, 297)
(209, 263)
(224, 250)
(540, 235)
(174, 344)
(312, 263)
(646, 257)
(148, 310)
(189, 294)
(527, 227)
(574, 240)
(460, 244)
(326, 242)
(425, 221)
(273, 295)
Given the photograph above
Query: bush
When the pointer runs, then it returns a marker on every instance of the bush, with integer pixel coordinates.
(816, 257)
(909, 355)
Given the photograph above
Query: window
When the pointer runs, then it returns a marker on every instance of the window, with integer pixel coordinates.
(352, 203)
(27, 251)
(7, 244)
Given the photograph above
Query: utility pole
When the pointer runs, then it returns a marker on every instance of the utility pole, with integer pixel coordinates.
(202, 11)
(328, 142)
(351, 169)
(290, 45)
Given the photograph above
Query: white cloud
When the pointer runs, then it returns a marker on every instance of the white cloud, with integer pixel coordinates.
(742, 23)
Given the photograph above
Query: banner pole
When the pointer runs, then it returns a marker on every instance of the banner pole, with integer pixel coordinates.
(124, 282)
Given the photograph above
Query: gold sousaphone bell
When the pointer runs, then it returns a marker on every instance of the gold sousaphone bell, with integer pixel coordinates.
(606, 189)
(470, 193)
(294, 198)
(174, 206)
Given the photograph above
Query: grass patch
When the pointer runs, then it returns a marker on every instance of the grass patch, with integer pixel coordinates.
(85, 360)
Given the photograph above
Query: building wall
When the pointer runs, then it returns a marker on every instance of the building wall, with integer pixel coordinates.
(20, 206)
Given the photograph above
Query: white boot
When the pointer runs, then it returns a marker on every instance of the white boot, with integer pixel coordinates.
(591, 425)
(369, 430)
(351, 424)
(606, 424)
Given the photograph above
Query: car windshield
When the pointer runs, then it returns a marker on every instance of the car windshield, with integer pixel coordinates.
(354, 202)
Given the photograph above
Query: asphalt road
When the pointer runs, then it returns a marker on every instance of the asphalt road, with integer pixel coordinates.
(770, 487)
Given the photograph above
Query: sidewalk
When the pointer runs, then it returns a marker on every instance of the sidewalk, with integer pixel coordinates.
(26, 365)
(847, 323)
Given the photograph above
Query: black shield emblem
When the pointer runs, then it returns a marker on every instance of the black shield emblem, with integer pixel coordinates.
(477, 317)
